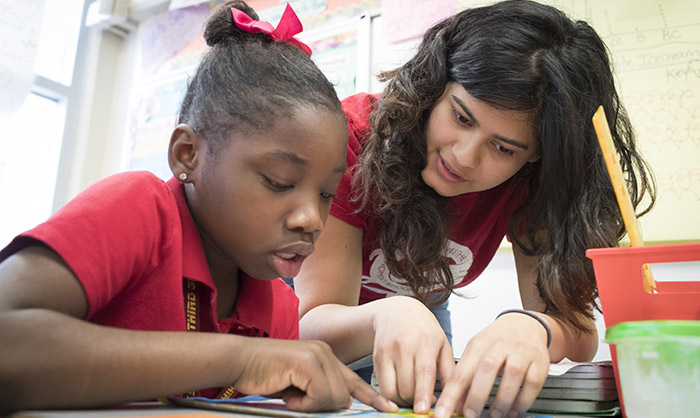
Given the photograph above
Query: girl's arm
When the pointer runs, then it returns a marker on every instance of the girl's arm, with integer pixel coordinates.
(51, 358)
(408, 345)
(513, 346)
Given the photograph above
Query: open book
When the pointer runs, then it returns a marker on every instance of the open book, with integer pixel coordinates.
(257, 406)
(586, 389)
(260, 405)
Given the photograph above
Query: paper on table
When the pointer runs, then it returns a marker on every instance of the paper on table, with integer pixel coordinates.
(260, 405)
(600, 367)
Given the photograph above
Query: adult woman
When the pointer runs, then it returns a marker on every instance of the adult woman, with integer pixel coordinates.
(486, 131)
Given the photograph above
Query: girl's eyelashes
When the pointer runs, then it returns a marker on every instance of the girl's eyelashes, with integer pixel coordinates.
(284, 187)
(276, 186)
(327, 196)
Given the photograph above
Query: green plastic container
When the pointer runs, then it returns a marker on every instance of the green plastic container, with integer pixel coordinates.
(658, 366)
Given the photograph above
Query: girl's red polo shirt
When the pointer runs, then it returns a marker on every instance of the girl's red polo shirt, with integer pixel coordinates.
(131, 241)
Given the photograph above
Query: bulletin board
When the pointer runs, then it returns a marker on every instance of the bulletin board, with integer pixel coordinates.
(655, 47)
(340, 52)
(171, 45)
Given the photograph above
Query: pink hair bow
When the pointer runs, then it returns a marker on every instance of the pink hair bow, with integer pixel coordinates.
(288, 27)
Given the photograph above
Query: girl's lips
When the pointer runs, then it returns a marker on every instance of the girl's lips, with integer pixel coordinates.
(445, 172)
(287, 265)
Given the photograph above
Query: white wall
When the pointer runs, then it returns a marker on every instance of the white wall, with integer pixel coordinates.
(491, 293)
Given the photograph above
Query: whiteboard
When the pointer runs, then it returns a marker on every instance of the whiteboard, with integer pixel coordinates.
(655, 47)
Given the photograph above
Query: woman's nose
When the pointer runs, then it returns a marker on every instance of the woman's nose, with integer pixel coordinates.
(467, 152)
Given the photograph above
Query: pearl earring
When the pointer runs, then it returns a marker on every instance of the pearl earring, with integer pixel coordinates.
(182, 177)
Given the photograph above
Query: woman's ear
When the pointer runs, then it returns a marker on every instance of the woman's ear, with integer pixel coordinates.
(184, 152)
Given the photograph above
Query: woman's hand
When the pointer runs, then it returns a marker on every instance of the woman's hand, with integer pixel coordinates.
(306, 374)
(515, 345)
(410, 350)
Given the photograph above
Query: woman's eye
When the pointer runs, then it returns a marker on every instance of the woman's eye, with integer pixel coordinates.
(277, 186)
(503, 150)
(327, 196)
(461, 118)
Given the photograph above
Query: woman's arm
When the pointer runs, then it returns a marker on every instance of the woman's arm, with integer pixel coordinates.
(328, 287)
(409, 346)
(513, 346)
(51, 358)
(567, 341)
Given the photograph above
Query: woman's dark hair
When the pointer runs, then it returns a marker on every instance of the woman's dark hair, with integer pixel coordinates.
(514, 55)
(247, 81)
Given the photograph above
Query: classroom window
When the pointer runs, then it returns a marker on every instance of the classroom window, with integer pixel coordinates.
(34, 137)
(33, 134)
(58, 40)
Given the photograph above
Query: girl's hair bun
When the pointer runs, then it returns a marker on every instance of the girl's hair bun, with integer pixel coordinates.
(220, 27)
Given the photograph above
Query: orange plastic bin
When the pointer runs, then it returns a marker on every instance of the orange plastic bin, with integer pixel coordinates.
(618, 272)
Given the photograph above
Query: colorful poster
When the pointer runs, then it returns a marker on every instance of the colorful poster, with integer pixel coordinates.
(173, 40)
(154, 117)
(336, 56)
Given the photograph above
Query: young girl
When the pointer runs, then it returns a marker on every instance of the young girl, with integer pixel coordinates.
(485, 133)
(95, 301)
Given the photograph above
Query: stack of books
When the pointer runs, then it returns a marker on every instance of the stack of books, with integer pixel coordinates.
(585, 389)
(580, 388)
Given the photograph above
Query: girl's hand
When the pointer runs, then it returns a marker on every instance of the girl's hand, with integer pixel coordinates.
(410, 349)
(306, 374)
(514, 345)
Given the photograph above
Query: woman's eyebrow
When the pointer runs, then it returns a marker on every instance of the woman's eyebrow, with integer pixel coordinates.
(510, 141)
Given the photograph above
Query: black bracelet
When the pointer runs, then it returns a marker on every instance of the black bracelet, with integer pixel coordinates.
(537, 317)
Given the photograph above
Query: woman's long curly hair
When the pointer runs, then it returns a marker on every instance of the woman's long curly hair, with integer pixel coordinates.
(514, 55)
